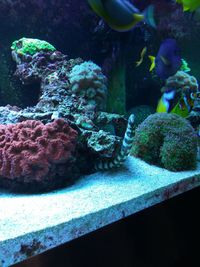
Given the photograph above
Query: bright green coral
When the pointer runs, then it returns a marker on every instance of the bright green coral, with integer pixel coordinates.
(31, 46)
(184, 66)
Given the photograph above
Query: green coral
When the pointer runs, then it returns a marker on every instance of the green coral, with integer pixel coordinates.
(166, 140)
(31, 46)
(184, 66)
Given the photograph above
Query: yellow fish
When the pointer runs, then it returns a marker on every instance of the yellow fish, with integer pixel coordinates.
(181, 109)
(122, 15)
(142, 54)
(166, 102)
(170, 102)
(153, 64)
(189, 5)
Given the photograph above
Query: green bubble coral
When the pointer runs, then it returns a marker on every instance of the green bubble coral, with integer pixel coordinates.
(31, 46)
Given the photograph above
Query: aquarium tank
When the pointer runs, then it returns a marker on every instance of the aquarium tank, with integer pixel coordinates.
(84, 84)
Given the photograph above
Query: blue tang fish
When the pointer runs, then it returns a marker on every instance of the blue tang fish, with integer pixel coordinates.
(121, 15)
(168, 60)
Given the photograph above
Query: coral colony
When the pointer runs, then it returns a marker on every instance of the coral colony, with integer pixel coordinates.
(166, 140)
(37, 155)
(70, 89)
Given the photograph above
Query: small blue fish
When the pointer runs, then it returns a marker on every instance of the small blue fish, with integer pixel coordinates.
(121, 15)
(168, 59)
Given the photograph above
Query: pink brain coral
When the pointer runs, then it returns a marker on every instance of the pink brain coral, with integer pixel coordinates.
(30, 150)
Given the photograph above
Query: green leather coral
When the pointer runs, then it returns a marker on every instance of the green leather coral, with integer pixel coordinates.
(166, 140)
(31, 46)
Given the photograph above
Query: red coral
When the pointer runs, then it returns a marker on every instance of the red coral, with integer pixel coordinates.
(30, 149)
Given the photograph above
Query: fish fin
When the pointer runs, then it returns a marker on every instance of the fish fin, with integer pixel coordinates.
(149, 16)
(187, 104)
(186, 8)
(97, 7)
(161, 107)
(165, 60)
(129, 5)
(123, 28)
(152, 59)
(171, 99)
(180, 109)
(120, 28)
(142, 54)
(138, 63)
(138, 17)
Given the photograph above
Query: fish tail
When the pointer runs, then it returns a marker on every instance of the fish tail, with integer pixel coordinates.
(142, 54)
(149, 16)
(152, 59)
(161, 107)
(186, 8)
(138, 63)
(97, 6)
